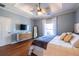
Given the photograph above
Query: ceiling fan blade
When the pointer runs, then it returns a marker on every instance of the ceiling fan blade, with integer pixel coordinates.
(34, 11)
(47, 9)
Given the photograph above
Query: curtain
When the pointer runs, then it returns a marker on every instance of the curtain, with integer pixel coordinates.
(49, 26)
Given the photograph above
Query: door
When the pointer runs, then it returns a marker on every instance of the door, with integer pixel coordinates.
(1, 39)
(5, 30)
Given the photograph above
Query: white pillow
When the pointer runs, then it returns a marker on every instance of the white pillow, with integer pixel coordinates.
(75, 40)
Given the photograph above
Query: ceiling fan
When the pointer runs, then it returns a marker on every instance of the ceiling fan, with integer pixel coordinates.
(39, 10)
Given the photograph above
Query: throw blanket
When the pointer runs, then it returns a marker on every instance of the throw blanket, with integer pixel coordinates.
(43, 41)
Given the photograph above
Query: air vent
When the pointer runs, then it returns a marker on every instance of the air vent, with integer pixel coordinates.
(2, 5)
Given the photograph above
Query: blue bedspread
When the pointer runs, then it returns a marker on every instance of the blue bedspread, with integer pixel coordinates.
(45, 38)
(43, 41)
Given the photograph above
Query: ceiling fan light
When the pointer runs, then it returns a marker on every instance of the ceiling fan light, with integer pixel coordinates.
(38, 9)
(43, 11)
(40, 13)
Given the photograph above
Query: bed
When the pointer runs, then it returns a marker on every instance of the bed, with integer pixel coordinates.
(57, 47)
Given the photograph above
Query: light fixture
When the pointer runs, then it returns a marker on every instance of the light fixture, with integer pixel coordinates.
(39, 10)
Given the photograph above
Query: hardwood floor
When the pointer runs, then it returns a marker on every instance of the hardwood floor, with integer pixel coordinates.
(32, 54)
(17, 49)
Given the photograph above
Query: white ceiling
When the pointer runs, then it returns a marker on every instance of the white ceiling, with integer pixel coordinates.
(30, 8)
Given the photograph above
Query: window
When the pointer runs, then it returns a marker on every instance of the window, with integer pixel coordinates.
(49, 26)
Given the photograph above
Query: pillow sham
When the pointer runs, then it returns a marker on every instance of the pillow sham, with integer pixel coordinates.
(62, 36)
(68, 37)
(75, 41)
(76, 44)
(69, 32)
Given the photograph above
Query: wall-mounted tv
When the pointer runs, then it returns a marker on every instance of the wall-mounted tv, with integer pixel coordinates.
(21, 27)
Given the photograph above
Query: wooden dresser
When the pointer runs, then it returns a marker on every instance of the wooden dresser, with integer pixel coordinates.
(24, 36)
(17, 49)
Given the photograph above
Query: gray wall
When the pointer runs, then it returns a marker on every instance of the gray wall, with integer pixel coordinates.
(77, 15)
(16, 19)
(66, 22)
(38, 23)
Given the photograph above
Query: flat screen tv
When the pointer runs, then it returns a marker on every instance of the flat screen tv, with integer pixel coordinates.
(21, 27)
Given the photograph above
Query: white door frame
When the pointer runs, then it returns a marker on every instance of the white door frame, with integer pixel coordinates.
(5, 24)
